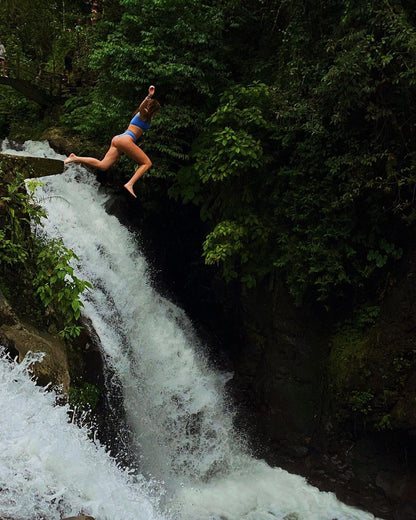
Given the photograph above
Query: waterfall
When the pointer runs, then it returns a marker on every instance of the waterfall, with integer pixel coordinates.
(176, 405)
(50, 468)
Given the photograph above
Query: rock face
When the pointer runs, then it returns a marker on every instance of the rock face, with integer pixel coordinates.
(34, 166)
(372, 380)
(376, 367)
(22, 338)
(281, 368)
(340, 409)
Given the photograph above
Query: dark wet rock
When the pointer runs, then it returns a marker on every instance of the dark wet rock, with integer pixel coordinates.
(34, 166)
(22, 338)
(292, 516)
(53, 369)
(64, 143)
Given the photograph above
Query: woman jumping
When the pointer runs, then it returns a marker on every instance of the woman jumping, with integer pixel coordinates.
(126, 142)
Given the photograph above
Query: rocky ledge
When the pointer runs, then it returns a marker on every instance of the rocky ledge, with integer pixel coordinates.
(33, 167)
(20, 338)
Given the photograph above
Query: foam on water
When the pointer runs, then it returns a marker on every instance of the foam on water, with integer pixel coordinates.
(175, 402)
(50, 468)
(30, 149)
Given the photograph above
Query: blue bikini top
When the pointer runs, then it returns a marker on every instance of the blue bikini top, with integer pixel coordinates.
(136, 121)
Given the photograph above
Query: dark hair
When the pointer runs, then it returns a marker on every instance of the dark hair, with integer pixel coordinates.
(147, 109)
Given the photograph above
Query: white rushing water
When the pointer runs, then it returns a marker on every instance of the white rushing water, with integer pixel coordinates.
(175, 402)
(50, 468)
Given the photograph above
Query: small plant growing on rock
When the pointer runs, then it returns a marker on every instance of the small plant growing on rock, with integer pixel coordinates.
(37, 270)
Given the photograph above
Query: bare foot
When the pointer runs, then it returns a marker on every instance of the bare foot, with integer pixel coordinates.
(70, 159)
(130, 190)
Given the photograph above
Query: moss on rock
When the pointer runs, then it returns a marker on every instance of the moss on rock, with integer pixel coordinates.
(32, 166)
(372, 369)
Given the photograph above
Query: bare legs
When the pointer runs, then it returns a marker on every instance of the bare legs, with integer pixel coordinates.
(137, 174)
(119, 144)
(109, 159)
(126, 145)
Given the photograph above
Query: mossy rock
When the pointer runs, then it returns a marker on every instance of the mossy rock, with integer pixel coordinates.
(349, 359)
(372, 370)
(373, 380)
(53, 369)
(65, 142)
(32, 167)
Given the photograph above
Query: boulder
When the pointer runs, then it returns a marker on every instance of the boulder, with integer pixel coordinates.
(53, 369)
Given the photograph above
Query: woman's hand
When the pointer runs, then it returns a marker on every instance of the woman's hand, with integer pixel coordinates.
(151, 90)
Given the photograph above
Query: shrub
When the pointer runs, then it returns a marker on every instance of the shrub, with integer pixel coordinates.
(37, 268)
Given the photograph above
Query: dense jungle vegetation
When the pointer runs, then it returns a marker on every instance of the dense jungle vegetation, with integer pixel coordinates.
(290, 124)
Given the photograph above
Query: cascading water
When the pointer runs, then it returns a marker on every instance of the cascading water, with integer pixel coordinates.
(175, 402)
(50, 468)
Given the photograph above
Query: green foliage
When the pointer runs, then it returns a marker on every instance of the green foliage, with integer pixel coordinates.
(230, 158)
(360, 401)
(313, 175)
(173, 44)
(37, 36)
(10, 251)
(236, 151)
(385, 423)
(370, 376)
(290, 124)
(364, 316)
(44, 265)
(84, 396)
(227, 245)
(81, 115)
(57, 286)
(33, 28)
